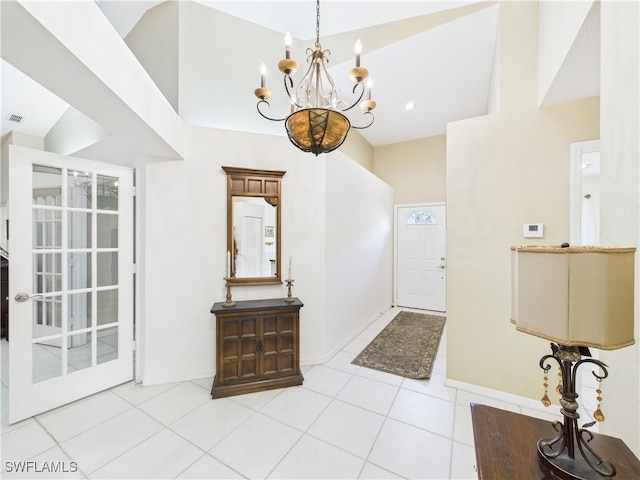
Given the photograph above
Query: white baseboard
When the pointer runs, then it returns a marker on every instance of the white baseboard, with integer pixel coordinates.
(309, 362)
(159, 379)
(525, 402)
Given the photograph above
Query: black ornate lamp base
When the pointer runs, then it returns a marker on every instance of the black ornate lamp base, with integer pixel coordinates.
(569, 456)
(567, 468)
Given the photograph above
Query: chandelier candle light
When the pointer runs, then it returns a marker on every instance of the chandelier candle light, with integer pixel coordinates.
(316, 123)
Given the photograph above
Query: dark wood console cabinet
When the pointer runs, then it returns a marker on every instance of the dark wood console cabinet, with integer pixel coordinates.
(257, 346)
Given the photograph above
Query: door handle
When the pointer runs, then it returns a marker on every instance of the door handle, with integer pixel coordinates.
(23, 297)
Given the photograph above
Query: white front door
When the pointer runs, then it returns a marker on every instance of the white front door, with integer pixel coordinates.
(71, 279)
(421, 274)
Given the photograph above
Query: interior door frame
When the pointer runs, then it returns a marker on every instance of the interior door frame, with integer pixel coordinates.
(575, 188)
(396, 207)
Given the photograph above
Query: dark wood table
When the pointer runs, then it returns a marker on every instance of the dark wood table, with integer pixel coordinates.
(505, 444)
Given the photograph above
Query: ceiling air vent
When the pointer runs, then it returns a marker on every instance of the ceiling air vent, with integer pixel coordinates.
(14, 118)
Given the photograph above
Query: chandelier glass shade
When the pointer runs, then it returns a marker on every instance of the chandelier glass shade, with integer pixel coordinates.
(317, 123)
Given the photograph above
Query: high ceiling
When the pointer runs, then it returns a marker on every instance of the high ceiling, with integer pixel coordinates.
(445, 69)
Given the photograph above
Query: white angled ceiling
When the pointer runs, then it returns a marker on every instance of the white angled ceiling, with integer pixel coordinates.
(445, 69)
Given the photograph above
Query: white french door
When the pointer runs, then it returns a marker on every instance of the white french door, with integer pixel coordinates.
(421, 274)
(71, 279)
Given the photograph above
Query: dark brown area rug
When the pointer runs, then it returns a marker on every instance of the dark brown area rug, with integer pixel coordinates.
(406, 347)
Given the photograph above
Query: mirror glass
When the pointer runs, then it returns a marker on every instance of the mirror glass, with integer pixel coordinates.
(254, 209)
(254, 246)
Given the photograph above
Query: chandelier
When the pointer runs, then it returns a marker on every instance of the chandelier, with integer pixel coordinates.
(316, 123)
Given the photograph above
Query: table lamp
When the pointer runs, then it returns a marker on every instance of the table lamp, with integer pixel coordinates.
(576, 297)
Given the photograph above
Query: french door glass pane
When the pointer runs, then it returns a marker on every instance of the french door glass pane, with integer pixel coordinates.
(107, 306)
(47, 228)
(47, 272)
(47, 316)
(107, 344)
(47, 362)
(79, 353)
(79, 270)
(79, 189)
(107, 231)
(79, 230)
(107, 269)
(79, 307)
(107, 193)
(47, 186)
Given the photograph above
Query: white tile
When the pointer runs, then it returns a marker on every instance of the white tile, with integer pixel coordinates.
(348, 427)
(380, 376)
(342, 361)
(373, 472)
(463, 425)
(101, 444)
(411, 452)
(327, 381)
(25, 442)
(313, 459)
(369, 394)
(463, 462)
(355, 346)
(257, 446)
(433, 386)
(210, 468)
(51, 464)
(176, 402)
(440, 365)
(211, 422)
(136, 393)
(369, 334)
(424, 411)
(205, 383)
(75, 418)
(165, 455)
(256, 400)
(296, 407)
(6, 428)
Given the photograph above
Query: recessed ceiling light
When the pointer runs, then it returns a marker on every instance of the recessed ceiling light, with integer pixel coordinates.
(410, 106)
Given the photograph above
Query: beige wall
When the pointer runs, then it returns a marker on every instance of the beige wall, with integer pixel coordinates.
(416, 170)
(505, 170)
(358, 149)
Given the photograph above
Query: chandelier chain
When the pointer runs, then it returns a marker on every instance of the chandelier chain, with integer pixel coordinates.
(317, 23)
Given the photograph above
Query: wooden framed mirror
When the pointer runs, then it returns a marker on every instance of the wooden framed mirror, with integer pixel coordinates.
(253, 226)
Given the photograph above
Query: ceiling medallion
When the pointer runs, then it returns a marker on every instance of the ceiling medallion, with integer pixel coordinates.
(316, 123)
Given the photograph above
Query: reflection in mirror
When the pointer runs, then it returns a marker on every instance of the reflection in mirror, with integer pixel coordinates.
(254, 210)
(254, 237)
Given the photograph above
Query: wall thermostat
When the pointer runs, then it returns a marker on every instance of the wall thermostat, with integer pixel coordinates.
(533, 230)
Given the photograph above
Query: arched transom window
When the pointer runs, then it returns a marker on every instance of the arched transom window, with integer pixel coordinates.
(421, 217)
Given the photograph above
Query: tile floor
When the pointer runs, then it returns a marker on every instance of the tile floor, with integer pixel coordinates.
(344, 422)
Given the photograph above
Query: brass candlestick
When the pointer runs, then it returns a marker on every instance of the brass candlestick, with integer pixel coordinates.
(229, 302)
(289, 285)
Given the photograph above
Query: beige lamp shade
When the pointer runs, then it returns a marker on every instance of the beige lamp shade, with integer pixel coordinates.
(574, 296)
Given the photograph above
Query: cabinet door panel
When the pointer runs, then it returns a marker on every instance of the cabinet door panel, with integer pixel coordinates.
(238, 345)
(279, 353)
